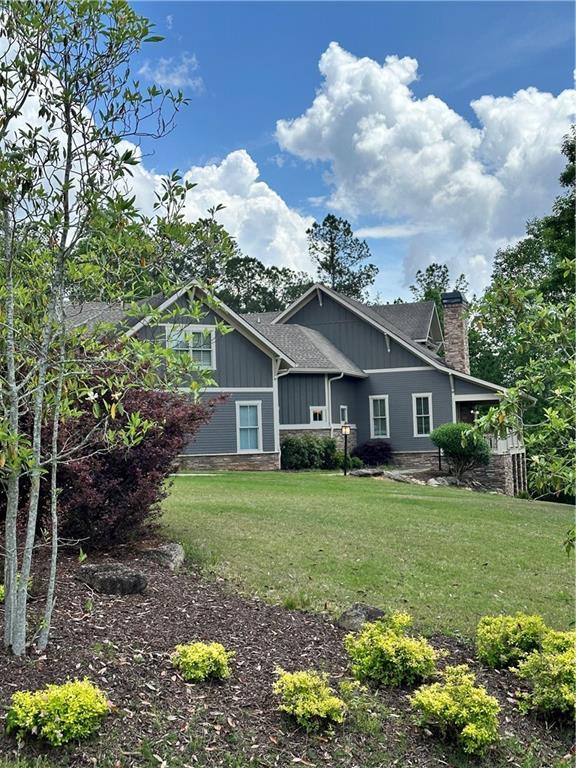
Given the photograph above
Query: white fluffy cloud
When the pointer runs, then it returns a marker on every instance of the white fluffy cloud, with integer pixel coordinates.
(174, 72)
(418, 165)
(260, 220)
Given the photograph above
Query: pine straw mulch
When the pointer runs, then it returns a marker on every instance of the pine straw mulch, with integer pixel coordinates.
(123, 645)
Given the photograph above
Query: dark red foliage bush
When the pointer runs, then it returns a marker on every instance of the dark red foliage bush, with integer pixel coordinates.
(374, 452)
(109, 498)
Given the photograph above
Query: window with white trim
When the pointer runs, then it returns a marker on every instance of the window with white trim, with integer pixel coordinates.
(198, 341)
(379, 420)
(422, 413)
(249, 426)
(343, 414)
(318, 414)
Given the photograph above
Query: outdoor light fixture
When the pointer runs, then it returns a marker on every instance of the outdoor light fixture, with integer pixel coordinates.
(345, 430)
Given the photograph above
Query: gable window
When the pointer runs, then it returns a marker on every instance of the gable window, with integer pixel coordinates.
(318, 414)
(379, 421)
(343, 414)
(422, 413)
(197, 341)
(249, 426)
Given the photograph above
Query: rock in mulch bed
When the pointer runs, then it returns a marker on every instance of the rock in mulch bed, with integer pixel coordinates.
(358, 614)
(123, 644)
(112, 578)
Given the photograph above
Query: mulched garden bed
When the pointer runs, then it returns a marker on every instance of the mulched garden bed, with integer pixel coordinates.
(123, 645)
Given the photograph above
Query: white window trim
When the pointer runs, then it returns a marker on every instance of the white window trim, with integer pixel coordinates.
(324, 409)
(194, 328)
(372, 398)
(257, 403)
(345, 419)
(414, 420)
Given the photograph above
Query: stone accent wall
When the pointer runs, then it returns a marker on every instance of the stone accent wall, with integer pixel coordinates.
(336, 434)
(418, 460)
(456, 352)
(505, 473)
(236, 462)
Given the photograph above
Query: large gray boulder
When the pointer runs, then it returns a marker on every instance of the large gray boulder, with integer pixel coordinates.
(170, 555)
(112, 578)
(358, 614)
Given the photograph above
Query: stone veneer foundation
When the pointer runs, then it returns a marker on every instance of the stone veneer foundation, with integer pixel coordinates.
(239, 462)
(505, 473)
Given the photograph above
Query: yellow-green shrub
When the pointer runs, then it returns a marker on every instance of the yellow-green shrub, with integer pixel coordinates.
(459, 709)
(58, 713)
(381, 651)
(502, 641)
(2, 593)
(200, 661)
(308, 698)
(551, 673)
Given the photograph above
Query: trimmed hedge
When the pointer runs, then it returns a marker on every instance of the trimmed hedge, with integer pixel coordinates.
(309, 452)
(463, 452)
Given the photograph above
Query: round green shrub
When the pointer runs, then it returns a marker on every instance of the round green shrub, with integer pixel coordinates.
(551, 674)
(459, 709)
(58, 713)
(502, 641)
(382, 652)
(199, 661)
(462, 451)
(308, 452)
(307, 697)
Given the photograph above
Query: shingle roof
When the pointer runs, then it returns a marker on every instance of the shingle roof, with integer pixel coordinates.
(307, 348)
(92, 313)
(256, 318)
(412, 318)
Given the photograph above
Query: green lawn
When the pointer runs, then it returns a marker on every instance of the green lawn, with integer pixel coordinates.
(318, 541)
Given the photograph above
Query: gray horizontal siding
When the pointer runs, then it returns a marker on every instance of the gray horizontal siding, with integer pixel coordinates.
(219, 435)
(399, 388)
(239, 363)
(463, 387)
(356, 338)
(296, 393)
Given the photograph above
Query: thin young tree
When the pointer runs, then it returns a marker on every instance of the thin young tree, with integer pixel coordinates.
(68, 106)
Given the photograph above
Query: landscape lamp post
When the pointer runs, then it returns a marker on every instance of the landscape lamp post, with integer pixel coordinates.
(345, 429)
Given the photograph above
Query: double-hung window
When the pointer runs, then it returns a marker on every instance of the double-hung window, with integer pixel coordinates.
(343, 414)
(422, 413)
(379, 419)
(197, 341)
(249, 426)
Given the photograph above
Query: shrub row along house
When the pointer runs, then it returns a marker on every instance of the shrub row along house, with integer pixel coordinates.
(325, 360)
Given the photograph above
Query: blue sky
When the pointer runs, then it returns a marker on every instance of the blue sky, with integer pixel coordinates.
(247, 65)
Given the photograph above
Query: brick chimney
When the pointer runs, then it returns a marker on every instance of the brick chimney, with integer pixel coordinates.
(456, 351)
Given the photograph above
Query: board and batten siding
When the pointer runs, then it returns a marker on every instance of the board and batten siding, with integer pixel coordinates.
(400, 387)
(345, 392)
(219, 436)
(463, 387)
(356, 338)
(239, 363)
(296, 393)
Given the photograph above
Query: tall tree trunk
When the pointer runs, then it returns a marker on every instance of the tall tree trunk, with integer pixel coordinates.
(13, 481)
(51, 590)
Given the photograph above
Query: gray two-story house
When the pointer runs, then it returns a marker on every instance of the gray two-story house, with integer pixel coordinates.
(325, 360)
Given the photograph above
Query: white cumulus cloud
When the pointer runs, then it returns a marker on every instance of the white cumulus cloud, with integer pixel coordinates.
(260, 220)
(418, 165)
